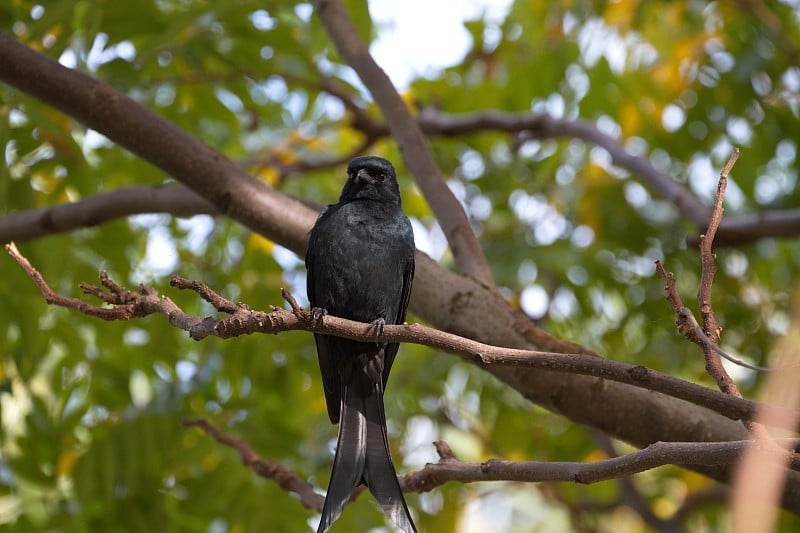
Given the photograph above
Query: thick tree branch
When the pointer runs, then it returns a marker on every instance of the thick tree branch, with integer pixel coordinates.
(93, 210)
(538, 126)
(418, 159)
(738, 230)
(99, 106)
(244, 321)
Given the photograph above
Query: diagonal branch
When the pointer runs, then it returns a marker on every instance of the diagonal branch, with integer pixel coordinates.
(466, 249)
(282, 476)
(541, 125)
(104, 207)
(145, 133)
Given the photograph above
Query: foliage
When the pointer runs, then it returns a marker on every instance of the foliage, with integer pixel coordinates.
(91, 438)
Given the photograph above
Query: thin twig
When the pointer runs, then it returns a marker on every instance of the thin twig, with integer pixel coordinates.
(711, 328)
(449, 468)
(286, 479)
(687, 323)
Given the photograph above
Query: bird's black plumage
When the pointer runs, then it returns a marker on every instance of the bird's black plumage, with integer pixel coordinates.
(360, 263)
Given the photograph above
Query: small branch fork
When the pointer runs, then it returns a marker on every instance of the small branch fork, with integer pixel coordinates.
(708, 336)
(122, 304)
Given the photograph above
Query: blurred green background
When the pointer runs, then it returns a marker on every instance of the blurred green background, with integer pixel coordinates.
(91, 437)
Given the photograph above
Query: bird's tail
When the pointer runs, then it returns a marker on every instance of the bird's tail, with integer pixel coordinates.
(362, 456)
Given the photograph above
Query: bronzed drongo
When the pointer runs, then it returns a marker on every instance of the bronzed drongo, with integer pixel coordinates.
(360, 263)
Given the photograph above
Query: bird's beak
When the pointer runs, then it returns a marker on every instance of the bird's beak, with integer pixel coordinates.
(363, 177)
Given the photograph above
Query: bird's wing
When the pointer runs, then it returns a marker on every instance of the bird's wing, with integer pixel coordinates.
(391, 349)
(327, 367)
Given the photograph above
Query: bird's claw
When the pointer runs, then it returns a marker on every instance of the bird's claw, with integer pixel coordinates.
(316, 316)
(378, 325)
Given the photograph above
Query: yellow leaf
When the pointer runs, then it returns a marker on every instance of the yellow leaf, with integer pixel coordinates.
(595, 455)
(286, 157)
(269, 175)
(621, 13)
(210, 461)
(595, 174)
(668, 76)
(664, 507)
(65, 463)
(314, 143)
(410, 101)
(695, 481)
(258, 242)
(630, 119)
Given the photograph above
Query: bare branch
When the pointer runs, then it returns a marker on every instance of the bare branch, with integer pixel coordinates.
(708, 269)
(244, 321)
(658, 454)
(738, 230)
(449, 468)
(541, 125)
(688, 326)
(282, 476)
(466, 249)
(93, 210)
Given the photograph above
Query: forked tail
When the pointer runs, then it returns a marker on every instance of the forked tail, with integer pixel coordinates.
(362, 456)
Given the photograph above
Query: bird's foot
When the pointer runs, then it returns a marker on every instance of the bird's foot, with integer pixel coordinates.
(316, 316)
(378, 326)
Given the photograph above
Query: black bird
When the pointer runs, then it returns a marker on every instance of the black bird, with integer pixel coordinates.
(360, 263)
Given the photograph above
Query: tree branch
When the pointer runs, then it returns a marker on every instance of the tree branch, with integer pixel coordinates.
(99, 106)
(709, 268)
(466, 249)
(658, 454)
(449, 468)
(282, 476)
(738, 230)
(244, 321)
(104, 207)
(540, 125)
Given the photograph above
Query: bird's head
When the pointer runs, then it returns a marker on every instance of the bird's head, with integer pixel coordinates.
(371, 178)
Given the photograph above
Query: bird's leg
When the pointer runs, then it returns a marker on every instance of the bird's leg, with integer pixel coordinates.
(378, 325)
(316, 315)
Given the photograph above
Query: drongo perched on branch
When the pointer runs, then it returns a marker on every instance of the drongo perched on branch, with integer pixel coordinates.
(360, 263)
